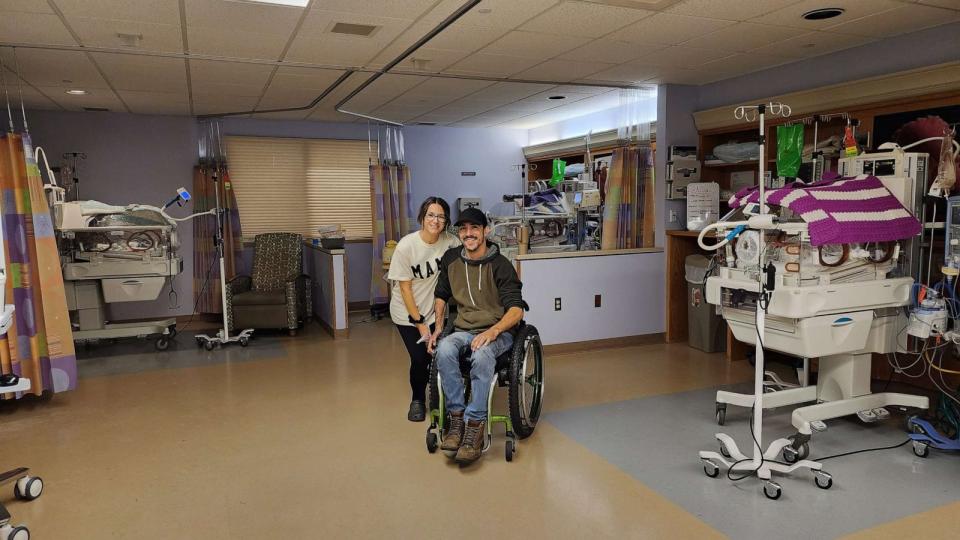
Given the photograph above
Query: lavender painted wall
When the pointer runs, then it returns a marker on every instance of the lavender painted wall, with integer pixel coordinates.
(675, 126)
(924, 48)
(137, 158)
(129, 159)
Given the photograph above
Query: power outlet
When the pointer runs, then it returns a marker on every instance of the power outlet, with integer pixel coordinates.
(556, 304)
(596, 300)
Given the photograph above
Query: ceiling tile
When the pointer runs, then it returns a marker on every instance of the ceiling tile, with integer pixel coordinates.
(683, 57)
(393, 85)
(505, 92)
(237, 73)
(739, 64)
(32, 99)
(897, 21)
(453, 88)
(281, 98)
(143, 73)
(630, 72)
(25, 6)
(20, 27)
(103, 33)
(287, 115)
(400, 9)
(503, 14)
(61, 69)
(854, 9)
(568, 89)
(813, 44)
(241, 17)
(431, 60)
(562, 70)
(149, 12)
(306, 78)
(333, 51)
(610, 51)
(221, 103)
(329, 115)
(497, 65)
(227, 89)
(464, 108)
(744, 37)
(175, 103)
(948, 4)
(668, 29)
(228, 43)
(741, 10)
(581, 19)
(100, 98)
(534, 44)
(459, 37)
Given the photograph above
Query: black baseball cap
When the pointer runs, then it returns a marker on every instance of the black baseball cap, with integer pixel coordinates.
(472, 215)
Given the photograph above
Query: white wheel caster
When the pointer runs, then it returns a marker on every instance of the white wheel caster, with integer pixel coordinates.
(772, 490)
(710, 468)
(921, 449)
(28, 488)
(822, 479)
(17, 533)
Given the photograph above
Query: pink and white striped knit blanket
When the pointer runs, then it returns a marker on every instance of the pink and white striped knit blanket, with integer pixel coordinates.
(841, 210)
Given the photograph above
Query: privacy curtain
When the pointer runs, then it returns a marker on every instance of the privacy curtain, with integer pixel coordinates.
(206, 265)
(39, 343)
(628, 212)
(390, 207)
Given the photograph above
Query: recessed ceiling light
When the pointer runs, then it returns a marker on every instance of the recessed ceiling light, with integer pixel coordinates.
(76, 92)
(821, 14)
(294, 3)
(557, 97)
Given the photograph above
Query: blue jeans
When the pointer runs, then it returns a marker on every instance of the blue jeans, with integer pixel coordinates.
(483, 363)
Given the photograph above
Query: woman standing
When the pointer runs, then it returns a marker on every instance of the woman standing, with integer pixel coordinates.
(413, 269)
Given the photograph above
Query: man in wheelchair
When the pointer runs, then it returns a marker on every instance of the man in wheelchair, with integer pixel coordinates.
(486, 290)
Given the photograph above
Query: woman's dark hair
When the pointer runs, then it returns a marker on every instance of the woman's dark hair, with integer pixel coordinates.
(422, 214)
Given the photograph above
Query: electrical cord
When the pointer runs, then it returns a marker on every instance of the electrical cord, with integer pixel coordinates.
(196, 303)
(862, 451)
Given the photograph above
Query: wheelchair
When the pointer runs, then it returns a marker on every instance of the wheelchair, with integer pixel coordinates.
(519, 369)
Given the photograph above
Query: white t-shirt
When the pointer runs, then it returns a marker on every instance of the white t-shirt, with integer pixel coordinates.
(418, 262)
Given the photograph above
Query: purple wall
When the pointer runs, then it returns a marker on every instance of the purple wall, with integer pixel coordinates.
(675, 126)
(909, 51)
(137, 158)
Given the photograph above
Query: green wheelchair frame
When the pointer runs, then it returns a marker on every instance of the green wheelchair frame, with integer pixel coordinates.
(527, 352)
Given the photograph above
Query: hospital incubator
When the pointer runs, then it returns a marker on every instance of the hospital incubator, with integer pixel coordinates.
(116, 254)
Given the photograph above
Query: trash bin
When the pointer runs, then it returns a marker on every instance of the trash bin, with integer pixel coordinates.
(705, 328)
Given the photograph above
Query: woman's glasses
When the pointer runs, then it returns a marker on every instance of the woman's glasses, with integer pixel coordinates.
(436, 217)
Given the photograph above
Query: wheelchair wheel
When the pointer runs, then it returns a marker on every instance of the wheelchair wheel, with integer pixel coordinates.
(526, 381)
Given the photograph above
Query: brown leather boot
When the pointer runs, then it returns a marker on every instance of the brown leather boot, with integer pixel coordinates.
(473, 438)
(453, 438)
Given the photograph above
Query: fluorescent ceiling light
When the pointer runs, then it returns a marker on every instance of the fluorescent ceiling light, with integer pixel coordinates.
(294, 3)
(76, 92)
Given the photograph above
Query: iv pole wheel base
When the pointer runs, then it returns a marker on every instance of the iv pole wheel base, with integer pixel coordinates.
(209, 345)
(28, 488)
(710, 468)
(724, 452)
(921, 449)
(721, 414)
(772, 490)
(792, 455)
(822, 479)
(244, 341)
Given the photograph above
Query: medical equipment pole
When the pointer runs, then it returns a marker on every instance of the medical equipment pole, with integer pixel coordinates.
(762, 463)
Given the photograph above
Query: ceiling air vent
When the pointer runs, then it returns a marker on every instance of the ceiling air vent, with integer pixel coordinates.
(96, 109)
(363, 30)
(426, 123)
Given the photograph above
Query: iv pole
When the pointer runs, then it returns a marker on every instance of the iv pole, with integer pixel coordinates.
(762, 464)
(223, 336)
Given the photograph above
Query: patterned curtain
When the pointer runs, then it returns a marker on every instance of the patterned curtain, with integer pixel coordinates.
(389, 204)
(39, 343)
(206, 265)
(629, 199)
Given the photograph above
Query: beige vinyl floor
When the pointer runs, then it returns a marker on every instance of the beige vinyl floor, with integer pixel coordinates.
(307, 438)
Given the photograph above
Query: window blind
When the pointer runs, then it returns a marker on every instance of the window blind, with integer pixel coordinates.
(297, 185)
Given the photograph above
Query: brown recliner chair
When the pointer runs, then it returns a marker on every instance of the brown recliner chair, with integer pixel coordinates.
(277, 295)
